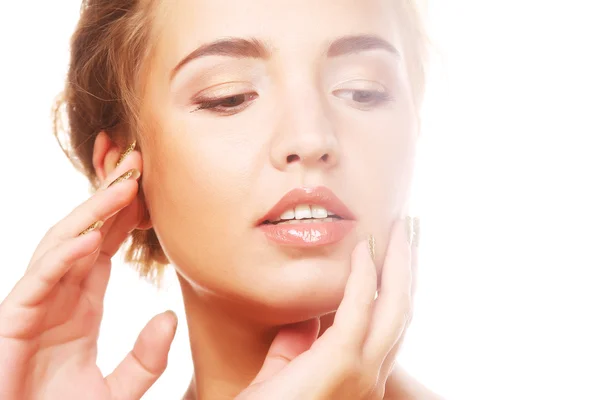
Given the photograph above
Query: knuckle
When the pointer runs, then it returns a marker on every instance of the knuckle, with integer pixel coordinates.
(407, 311)
(51, 232)
(400, 320)
(53, 235)
(53, 254)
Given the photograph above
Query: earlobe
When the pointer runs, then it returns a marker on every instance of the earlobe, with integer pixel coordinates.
(146, 222)
(105, 156)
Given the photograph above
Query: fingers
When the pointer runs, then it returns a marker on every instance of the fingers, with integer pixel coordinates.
(354, 313)
(94, 282)
(355, 357)
(101, 206)
(43, 276)
(290, 342)
(386, 370)
(114, 233)
(122, 225)
(146, 362)
(393, 308)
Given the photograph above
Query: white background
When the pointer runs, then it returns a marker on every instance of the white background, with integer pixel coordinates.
(507, 189)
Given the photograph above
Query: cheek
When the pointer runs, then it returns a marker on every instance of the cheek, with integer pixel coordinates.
(203, 171)
(379, 155)
(200, 185)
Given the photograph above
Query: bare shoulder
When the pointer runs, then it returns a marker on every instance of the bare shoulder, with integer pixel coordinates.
(403, 386)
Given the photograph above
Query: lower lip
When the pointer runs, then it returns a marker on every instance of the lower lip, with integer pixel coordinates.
(311, 234)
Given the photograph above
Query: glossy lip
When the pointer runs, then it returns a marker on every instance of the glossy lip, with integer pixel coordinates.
(318, 196)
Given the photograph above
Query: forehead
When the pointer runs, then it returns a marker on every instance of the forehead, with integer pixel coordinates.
(300, 28)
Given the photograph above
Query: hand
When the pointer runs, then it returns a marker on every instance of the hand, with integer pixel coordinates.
(355, 356)
(50, 321)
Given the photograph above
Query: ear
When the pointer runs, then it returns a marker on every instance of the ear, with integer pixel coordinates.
(106, 155)
(105, 158)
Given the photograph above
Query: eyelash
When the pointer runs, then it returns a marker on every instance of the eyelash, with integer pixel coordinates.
(213, 104)
(379, 97)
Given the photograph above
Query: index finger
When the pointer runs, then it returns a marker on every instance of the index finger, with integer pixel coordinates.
(393, 306)
(99, 207)
(42, 278)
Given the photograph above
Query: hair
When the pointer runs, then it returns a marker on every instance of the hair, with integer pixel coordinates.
(110, 50)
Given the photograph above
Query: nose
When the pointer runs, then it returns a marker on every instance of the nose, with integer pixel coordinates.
(305, 135)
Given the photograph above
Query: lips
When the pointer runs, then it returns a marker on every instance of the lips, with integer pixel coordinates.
(319, 196)
(309, 232)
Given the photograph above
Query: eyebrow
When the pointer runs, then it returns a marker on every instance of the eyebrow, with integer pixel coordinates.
(256, 48)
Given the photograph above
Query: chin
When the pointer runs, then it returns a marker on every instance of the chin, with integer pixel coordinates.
(300, 290)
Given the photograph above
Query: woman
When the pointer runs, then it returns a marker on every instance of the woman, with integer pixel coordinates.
(265, 151)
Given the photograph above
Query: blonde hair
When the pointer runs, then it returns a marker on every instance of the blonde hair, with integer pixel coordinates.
(110, 49)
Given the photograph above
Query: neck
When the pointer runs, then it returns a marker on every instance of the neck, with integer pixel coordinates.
(228, 349)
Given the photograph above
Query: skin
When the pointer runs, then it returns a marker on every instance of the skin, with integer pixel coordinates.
(207, 178)
(234, 168)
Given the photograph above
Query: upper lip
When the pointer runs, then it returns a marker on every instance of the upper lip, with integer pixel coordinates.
(318, 196)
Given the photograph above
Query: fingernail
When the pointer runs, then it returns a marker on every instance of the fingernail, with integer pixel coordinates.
(372, 247)
(96, 225)
(131, 174)
(127, 151)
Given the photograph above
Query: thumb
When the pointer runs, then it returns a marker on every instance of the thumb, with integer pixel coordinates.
(290, 342)
(147, 361)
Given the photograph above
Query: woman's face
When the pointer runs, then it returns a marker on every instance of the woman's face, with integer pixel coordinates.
(252, 100)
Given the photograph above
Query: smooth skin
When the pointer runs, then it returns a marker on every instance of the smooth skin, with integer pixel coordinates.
(355, 356)
(225, 137)
(49, 322)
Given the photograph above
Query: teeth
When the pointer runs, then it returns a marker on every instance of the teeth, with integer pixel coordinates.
(303, 211)
(318, 212)
(289, 214)
(306, 221)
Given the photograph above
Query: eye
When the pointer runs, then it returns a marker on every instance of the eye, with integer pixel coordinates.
(363, 99)
(224, 105)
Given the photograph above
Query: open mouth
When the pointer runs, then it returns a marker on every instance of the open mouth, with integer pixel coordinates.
(304, 214)
(307, 217)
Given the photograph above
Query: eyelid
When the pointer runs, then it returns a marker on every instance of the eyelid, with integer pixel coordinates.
(360, 84)
(222, 90)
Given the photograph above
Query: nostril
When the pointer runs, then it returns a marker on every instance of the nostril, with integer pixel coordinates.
(292, 158)
(325, 157)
